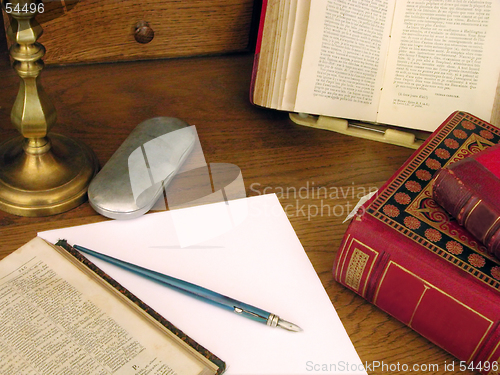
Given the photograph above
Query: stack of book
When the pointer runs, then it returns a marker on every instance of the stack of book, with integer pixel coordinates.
(432, 265)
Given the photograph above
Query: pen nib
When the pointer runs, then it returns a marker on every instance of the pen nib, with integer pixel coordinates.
(289, 326)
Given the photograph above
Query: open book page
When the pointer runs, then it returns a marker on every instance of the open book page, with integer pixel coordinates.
(56, 319)
(289, 10)
(301, 15)
(264, 73)
(444, 56)
(280, 52)
(277, 53)
(344, 58)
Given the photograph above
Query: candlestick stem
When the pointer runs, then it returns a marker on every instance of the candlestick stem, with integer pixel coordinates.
(41, 173)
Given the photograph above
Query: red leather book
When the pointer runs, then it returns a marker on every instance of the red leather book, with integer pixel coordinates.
(470, 191)
(406, 255)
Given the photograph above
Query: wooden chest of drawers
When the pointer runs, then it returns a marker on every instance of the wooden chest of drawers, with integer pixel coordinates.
(84, 31)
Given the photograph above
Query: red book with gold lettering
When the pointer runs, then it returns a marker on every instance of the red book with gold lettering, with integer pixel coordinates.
(405, 254)
(470, 191)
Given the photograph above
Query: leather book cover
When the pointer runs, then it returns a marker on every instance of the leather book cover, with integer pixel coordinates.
(405, 254)
(469, 190)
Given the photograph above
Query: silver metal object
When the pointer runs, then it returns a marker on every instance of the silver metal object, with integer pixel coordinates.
(133, 179)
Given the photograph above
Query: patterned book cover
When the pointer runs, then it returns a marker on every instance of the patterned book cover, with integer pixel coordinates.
(469, 190)
(405, 254)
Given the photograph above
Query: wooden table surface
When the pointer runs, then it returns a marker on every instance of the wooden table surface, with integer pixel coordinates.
(101, 104)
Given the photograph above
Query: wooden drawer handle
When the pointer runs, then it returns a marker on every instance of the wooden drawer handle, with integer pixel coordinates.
(143, 32)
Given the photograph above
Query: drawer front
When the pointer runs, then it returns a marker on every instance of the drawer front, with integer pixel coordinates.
(114, 30)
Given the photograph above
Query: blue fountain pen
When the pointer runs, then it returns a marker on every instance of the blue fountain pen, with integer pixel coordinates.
(205, 294)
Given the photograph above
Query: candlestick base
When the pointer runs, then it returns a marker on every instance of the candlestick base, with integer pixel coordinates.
(47, 176)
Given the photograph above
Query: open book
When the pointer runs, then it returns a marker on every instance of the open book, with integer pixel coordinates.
(408, 63)
(59, 313)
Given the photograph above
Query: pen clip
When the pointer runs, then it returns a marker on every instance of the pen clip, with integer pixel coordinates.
(240, 311)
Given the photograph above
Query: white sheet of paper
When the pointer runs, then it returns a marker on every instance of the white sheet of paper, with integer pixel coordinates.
(259, 261)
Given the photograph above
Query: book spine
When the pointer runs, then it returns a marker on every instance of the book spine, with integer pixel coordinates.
(258, 45)
(408, 282)
(465, 203)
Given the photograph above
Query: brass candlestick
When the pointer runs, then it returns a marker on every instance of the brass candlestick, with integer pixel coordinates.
(40, 173)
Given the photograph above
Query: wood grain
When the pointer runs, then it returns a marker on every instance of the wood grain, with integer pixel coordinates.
(100, 105)
(103, 30)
